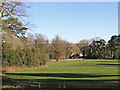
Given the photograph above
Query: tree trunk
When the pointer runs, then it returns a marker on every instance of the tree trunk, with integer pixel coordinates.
(111, 55)
(57, 60)
(83, 53)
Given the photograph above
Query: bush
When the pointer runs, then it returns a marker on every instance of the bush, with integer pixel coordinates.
(23, 56)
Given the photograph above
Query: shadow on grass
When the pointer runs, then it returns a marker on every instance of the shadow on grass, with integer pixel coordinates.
(63, 75)
(106, 61)
(110, 64)
(60, 83)
(55, 83)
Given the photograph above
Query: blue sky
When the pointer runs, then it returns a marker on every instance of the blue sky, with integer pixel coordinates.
(74, 21)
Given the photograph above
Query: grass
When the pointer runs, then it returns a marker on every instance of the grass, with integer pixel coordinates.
(67, 74)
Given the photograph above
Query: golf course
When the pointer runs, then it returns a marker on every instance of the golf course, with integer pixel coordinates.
(88, 73)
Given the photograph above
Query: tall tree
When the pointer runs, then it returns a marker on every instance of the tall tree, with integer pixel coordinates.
(113, 46)
(57, 47)
(11, 16)
(83, 44)
(97, 49)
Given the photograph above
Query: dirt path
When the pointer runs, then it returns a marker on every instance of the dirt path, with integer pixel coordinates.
(67, 60)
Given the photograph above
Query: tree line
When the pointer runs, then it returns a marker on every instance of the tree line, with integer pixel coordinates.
(36, 49)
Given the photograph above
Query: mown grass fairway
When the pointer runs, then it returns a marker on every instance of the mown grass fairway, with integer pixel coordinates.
(68, 74)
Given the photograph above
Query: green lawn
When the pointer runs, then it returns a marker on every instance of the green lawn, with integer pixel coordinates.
(68, 74)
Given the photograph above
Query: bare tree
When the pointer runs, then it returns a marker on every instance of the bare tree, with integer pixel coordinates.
(12, 8)
(11, 17)
(57, 47)
(83, 44)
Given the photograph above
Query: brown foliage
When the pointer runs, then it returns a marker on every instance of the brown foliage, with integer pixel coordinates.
(12, 68)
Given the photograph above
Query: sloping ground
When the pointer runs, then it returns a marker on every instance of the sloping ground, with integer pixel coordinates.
(67, 74)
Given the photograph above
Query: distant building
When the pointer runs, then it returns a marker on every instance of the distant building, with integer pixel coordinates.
(76, 56)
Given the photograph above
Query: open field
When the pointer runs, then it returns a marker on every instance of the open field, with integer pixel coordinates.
(67, 74)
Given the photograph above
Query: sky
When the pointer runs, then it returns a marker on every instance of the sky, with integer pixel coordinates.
(74, 21)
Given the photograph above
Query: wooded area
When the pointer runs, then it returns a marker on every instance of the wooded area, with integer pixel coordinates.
(35, 50)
